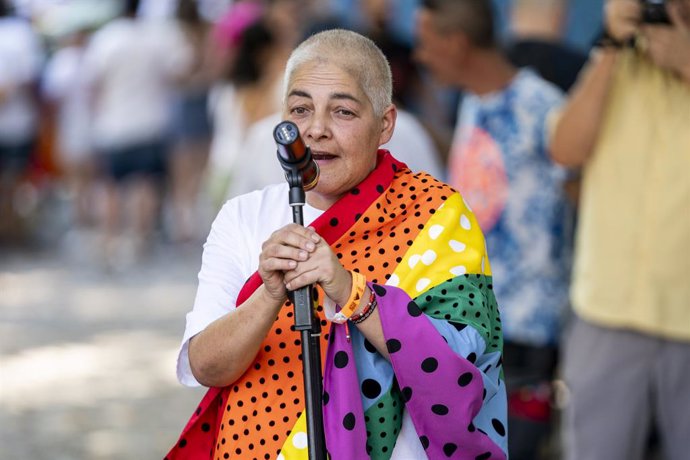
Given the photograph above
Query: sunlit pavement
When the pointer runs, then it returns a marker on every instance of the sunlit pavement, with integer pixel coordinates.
(87, 355)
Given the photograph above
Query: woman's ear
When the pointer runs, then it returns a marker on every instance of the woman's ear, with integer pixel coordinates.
(389, 116)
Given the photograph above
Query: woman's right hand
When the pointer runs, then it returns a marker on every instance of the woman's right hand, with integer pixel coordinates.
(622, 19)
(281, 252)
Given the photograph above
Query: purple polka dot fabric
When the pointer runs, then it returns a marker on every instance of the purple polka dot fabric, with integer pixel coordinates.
(443, 391)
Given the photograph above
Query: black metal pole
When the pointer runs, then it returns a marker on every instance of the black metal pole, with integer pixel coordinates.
(302, 173)
(309, 326)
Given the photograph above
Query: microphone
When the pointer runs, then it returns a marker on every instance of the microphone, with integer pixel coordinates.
(294, 155)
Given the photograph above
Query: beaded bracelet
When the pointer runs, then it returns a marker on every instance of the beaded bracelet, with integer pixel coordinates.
(359, 284)
(366, 311)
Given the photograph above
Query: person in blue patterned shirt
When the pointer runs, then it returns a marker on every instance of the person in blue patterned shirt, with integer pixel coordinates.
(499, 161)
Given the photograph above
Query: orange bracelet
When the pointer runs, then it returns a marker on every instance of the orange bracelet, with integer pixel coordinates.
(359, 284)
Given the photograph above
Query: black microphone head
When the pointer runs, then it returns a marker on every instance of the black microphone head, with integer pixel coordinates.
(294, 155)
(285, 133)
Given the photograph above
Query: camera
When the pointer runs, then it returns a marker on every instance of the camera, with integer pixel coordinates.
(654, 12)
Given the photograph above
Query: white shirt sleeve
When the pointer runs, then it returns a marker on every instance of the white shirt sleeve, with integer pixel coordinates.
(231, 256)
(225, 267)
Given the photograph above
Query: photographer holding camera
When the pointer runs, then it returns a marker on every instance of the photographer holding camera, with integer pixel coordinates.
(627, 122)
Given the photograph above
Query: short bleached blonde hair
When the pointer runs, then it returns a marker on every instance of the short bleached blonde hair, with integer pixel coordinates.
(355, 54)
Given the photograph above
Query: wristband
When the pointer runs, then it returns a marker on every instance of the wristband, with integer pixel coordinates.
(359, 284)
(605, 40)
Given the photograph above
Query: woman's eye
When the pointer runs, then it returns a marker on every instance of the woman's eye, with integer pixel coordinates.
(298, 111)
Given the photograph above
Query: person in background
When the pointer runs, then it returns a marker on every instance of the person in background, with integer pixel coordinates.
(499, 161)
(21, 56)
(627, 355)
(64, 85)
(249, 91)
(131, 66)
(536, 40)
(398, 259)
(191, 122)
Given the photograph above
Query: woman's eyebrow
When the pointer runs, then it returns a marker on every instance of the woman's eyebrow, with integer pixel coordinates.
(332, 96)
(346, 96)
(299, 93)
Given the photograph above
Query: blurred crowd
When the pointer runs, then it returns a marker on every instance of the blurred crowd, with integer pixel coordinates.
(133, 122)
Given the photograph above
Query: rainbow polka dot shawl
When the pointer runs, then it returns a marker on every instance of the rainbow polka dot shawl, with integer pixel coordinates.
(424, 256)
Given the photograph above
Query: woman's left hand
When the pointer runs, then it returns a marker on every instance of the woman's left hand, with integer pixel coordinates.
(322, 268)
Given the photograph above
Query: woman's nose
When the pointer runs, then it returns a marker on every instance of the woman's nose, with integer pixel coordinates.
(317, 127)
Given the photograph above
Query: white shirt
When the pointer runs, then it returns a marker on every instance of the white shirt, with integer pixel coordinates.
(64, 83)
(20, 61)
(412, 145)
(131, 65)
(231, 256)
(231, 131)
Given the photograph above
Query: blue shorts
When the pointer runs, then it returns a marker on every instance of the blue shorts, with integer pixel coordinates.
(146, 159)
(14, 159)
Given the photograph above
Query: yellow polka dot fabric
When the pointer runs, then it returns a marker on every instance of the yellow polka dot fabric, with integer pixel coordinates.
(451, 245)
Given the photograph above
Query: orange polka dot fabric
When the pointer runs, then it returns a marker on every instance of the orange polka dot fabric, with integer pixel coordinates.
(252, 417)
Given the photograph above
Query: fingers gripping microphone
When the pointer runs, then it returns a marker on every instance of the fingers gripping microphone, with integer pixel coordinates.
(294, 156)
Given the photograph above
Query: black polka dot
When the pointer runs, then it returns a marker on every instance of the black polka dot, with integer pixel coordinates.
(379, 290)
(429, 365)
(326, 397)
(465, 379)
(459, 326)
(472, 357)
(341, 359)
(449, 449)
(198, 410)
(355, 191)
(439, 409)
(425, 442)
(349, 421)
(205, 427)
(334, 222)
(413, 309)
(379, 188)
(471, 428)
(369, 347)
(393, 345)
(407, 394)
(484, 456)
(498, 426)
(182, 443)
(371, 388)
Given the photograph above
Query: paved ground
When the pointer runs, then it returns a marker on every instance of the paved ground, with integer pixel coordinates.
(87, 356)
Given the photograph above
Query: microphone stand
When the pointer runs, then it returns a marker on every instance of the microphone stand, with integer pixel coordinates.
(309, 325)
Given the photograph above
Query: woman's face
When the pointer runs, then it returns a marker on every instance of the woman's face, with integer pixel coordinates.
(337, 120)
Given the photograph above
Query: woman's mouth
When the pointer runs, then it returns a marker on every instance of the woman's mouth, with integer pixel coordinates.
(322, 156)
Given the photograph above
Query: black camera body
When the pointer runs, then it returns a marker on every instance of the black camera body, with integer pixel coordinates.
(654, 12)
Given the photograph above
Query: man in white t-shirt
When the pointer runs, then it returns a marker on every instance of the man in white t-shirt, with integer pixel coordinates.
(131, 66)
(20, 60)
